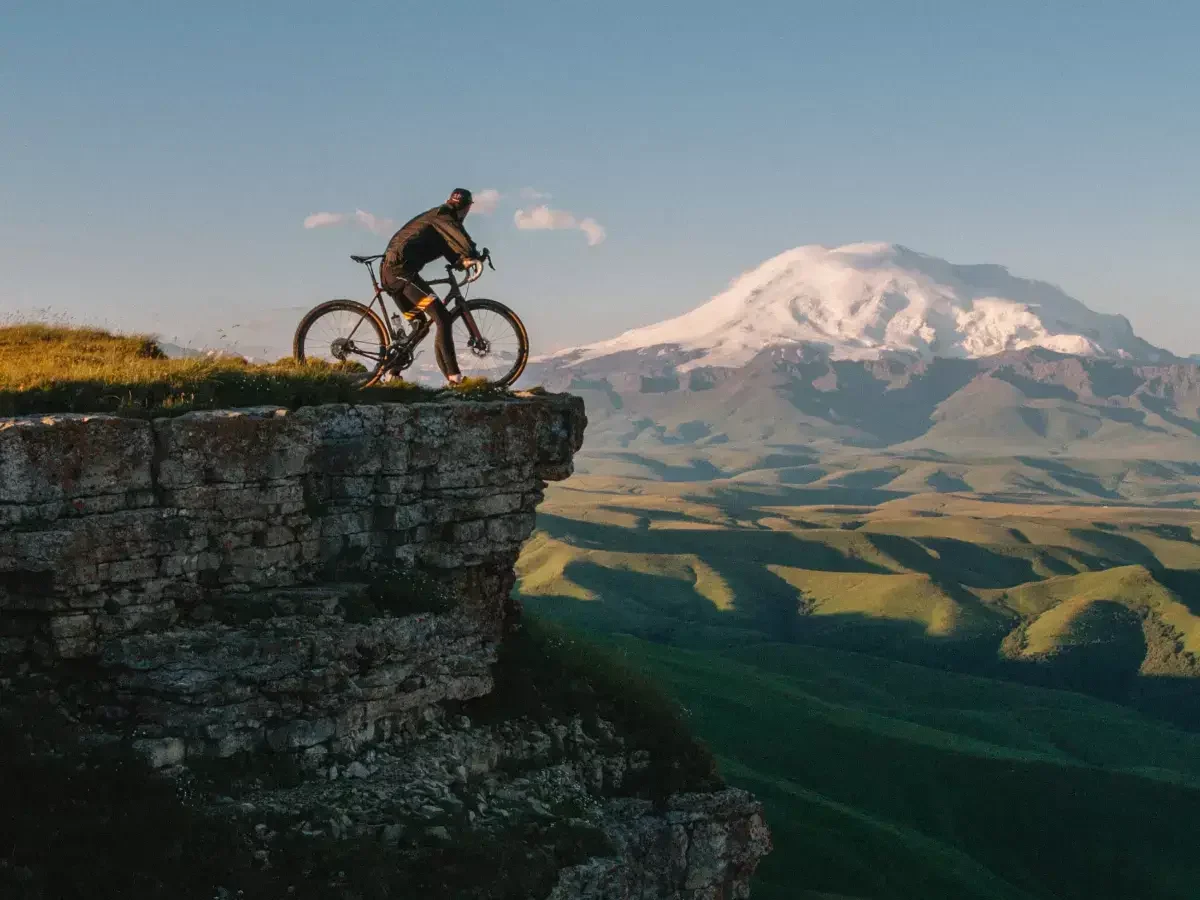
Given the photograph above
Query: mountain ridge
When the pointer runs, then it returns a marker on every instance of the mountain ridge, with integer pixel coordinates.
(870, 300)
(1028, 402)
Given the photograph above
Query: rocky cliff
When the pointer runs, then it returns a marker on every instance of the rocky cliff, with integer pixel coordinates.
(326, 593)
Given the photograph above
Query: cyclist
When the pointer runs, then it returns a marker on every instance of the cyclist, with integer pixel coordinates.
(437, 232)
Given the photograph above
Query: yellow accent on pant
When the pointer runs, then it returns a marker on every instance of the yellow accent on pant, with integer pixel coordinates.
(423, 304)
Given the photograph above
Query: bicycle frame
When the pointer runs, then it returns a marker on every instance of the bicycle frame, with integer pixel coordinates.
(453, 296)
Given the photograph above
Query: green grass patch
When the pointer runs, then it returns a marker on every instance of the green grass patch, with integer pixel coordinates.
(52, 369)
(888, 780)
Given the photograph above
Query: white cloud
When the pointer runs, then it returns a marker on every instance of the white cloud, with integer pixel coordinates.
(323, 219)
(374, 223)
(361, 217)
(543, 218)
(486, 201)
(594, 230)
(533, 195)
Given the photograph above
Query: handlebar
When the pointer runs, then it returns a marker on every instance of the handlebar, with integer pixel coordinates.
(475, 271)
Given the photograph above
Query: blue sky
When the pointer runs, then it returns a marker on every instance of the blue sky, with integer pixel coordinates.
(158, 160)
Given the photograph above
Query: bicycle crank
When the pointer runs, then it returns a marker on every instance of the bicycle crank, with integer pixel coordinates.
(398, 359)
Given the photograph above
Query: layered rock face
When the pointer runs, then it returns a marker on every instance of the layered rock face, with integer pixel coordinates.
(116, 526)
(206, 587)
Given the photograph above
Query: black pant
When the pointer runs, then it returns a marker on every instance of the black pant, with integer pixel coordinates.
(413, 294)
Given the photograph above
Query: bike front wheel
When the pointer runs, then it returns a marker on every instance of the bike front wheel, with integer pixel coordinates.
(345, 334)
(498, 348)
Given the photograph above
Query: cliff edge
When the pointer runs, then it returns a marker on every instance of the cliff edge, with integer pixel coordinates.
(302, 622)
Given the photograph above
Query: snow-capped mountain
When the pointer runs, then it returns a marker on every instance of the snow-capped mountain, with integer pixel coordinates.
(864, 301)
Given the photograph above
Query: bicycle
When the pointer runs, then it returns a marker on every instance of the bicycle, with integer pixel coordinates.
(487, 335)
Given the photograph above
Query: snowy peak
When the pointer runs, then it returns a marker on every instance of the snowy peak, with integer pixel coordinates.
(862, 301)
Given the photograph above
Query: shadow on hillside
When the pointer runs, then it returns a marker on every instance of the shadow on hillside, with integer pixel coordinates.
(1110, 380)
(1162, 408)
(668, 610)
(739, 554)
(1034, 390)
(645, 607)
(763, 602)
(647, 515)
(890, 413)
(718, 548)
(793, 457)
(800, 476)
(1184, 584)
(953, 563)
(696, 470)
(945, 483)
(1071, 477)
(1118, 548)
(747, 497)
(871, 479)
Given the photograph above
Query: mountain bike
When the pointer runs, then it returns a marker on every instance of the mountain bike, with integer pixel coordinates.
(489, 339)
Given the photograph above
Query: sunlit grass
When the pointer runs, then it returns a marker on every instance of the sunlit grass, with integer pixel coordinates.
(49, 369)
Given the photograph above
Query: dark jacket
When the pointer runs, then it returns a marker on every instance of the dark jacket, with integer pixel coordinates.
(436, 232)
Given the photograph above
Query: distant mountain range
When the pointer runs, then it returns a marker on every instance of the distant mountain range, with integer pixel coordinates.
(877, 346)
(1032, 401)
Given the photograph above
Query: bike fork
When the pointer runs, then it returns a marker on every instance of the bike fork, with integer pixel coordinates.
(472, 328)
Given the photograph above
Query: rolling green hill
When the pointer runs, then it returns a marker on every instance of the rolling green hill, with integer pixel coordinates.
(1102, 599)
(886, 780)
(938, 693)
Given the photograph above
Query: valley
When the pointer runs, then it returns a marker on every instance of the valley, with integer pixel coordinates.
(931, 671)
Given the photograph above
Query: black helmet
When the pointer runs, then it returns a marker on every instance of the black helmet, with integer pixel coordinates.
(460, 198)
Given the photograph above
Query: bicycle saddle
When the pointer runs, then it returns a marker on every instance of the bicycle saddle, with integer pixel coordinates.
(366, 259)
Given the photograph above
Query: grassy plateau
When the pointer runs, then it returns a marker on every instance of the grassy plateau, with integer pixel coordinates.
(54, 369)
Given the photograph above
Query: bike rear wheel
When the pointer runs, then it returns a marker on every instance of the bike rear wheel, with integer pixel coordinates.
(502, 349)
(346, 334)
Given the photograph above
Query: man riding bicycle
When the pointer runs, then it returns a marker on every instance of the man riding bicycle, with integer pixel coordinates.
(438, 232)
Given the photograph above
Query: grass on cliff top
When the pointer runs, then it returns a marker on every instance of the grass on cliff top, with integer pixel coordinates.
(55, 369)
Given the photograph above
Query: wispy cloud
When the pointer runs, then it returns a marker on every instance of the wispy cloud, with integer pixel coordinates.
(324, 219)
(486, 201)
(374, 223)
(543, 218)
(533, 195)
(594, 230)
(361, 218)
